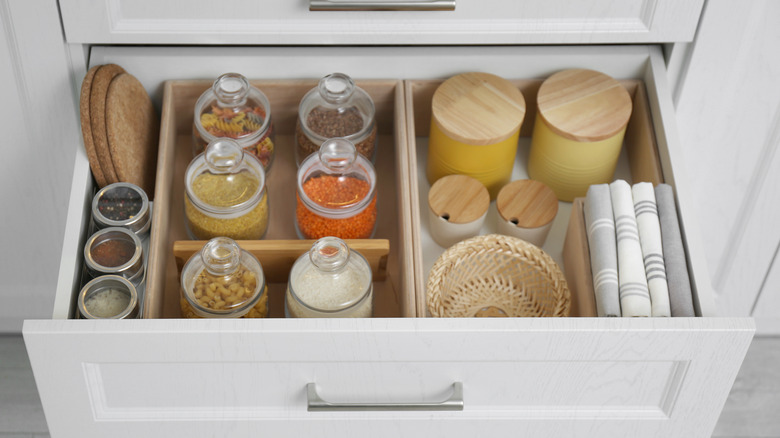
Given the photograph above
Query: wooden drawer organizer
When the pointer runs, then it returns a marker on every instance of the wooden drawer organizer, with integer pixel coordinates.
(393, 292)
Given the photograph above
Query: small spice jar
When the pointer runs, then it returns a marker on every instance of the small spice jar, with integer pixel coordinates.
(232, 108)
(117, 251)
(225, 194)
(123, 205)
(223, 281)
(475, 125)
(526, 209)
(108, 297)
(457, 206)
(336, 193)
(330, 281)
(336, 108)
(579, 130)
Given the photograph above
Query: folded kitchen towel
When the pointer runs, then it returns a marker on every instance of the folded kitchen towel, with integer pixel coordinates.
(680, 298)
(600, 226)
(652, 249)
(634, 294)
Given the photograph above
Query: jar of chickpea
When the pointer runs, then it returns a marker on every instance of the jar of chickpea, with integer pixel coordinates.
(225, 194)
(223, 281)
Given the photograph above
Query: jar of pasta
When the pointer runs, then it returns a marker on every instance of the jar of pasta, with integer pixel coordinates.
(225, 194)
(330, 281)
(223, 281)
(232, 108)
(336, 108)
(336, 193)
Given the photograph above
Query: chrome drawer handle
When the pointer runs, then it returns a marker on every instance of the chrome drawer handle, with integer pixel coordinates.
(453, 403)
(388, 5)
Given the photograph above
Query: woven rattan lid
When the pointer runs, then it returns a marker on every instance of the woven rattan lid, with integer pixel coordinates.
(584, 105)
(460, 199)
(478, 108)
(527, 203)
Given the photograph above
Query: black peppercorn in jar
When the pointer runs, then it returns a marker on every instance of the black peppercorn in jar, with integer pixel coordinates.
(232, 108)
(123, 205)
(336, 108)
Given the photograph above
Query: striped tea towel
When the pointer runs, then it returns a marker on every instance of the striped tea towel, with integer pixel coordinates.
(634, 295)
(652, 249)
(600, 226)
(680, 297)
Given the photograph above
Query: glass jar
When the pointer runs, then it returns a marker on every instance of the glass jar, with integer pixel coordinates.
(336, 193)
(223, 281)
(115, 251)
(330, 281)
(232, 108)
(225, 194)
(123, 205)
(108, 297)
(336, 108)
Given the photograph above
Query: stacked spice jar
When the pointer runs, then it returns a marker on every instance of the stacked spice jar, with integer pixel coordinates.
(336, 193)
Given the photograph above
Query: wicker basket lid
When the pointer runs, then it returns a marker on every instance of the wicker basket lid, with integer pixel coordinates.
(584, 105)
(478, 108)
(527, 203)
(459, 199)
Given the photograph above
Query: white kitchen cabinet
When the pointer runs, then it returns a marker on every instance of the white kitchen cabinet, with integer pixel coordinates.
(569, 376)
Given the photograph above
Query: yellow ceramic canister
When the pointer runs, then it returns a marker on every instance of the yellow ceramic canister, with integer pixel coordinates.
(475, 124)
(578, 133)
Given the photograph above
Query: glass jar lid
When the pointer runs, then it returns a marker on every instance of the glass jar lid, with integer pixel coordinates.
(222, 280)
(336, 180)
(232, 108)
(224, 179)
(336, 108)
(330, 277)
(122, 204)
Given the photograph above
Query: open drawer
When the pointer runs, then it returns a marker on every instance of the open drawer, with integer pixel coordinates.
(557, 377)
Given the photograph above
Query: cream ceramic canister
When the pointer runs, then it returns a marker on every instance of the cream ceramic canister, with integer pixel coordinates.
(457, 206)
(578, 133)
(526, 209)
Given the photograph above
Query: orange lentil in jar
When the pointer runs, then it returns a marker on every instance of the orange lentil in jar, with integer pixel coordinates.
(333, 192)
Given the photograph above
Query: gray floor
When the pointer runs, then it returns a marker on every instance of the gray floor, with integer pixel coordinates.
(752, 409)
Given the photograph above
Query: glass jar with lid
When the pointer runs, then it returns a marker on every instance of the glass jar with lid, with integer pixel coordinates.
(223, 281)
(336, 193)
(232, 108)
(225, 194)
(336, 108)
(330, 281)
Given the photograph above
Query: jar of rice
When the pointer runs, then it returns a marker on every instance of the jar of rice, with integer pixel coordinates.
(223, 281)
(225, 194)
(330, 281)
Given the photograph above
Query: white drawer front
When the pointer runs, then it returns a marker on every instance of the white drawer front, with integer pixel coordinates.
(290, 22)
(560, 377)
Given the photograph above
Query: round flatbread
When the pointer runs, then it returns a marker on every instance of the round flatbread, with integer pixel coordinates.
(86, 126)
(97, 116)
(133, 129)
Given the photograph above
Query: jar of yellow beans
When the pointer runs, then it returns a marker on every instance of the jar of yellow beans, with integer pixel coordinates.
(223, 281)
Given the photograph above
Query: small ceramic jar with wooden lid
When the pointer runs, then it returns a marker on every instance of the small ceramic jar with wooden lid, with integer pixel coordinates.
(526, 210)
(578, 133)
(457, 205)
(475, 124)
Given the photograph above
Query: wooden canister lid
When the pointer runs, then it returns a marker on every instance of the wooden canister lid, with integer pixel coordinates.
(460, 199)
(478, 108)
(527, 203)
(584, 105)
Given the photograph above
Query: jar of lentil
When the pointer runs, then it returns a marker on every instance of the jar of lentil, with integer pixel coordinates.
(330, 281)
(232, 108)
(225, 194)
(336, 193)
(223, 281)
(336, 108)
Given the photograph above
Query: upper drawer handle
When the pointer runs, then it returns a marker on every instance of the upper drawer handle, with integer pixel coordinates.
(388, 5)
(453, 403)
